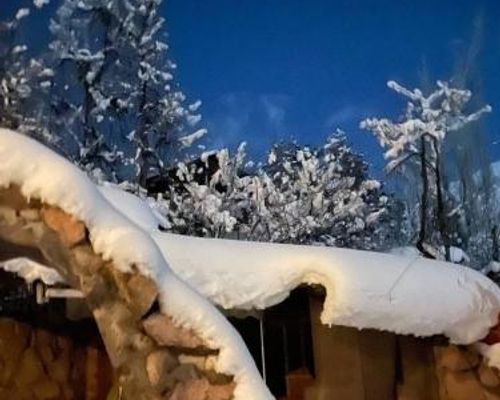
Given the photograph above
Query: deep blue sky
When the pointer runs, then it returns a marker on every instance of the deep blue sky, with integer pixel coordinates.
(274, 69)
(270, 69)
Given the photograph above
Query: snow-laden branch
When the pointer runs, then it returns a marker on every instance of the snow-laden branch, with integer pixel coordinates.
(428, 117)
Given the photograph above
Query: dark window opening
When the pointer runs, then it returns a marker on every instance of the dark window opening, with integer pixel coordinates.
(17, 301)
(287, 340)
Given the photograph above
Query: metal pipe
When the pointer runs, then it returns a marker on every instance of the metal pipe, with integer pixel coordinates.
(43, 294)
(262, 347)
(55, 293)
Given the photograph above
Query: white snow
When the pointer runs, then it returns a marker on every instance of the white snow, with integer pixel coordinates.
(188, 140)
(42, 174)
(19, 49)
(495, 266)
(405, 294)
(491, 353)
(40, 3)
(31, 271)
(406, 251)
(457, 255)
(22, 13)
(133, 207)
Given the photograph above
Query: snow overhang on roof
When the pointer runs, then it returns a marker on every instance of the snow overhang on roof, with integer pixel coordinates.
(401, 294)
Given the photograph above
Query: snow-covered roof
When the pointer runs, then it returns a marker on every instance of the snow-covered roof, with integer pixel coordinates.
(405, 294)
(402, 294)
(42, 174)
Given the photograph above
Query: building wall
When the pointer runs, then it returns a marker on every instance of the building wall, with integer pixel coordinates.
(351, 364)
(153, 357)
(370, 365)
(38, 364)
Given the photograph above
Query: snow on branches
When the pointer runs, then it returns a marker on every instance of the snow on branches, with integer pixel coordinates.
(165, 124)
(24, 83)
(419, 138)
(431, 116)
(104, 87)
(301, 195)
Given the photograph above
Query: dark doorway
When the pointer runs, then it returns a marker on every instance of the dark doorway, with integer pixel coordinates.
(287, 340)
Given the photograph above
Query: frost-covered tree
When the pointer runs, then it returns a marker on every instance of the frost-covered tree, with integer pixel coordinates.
(473, 185)
(165, 124)
(113, 95)
(301, 195)
(23, 83)
(9, 54)
(85, 100)
(206, 196)
(103, 93)
(419, 138)
(325, 196)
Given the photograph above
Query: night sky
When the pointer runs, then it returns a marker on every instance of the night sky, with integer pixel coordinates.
(268, 70)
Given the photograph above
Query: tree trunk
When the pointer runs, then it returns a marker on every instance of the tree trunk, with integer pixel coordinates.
(441, 209)
(496, 250)
(422, 234)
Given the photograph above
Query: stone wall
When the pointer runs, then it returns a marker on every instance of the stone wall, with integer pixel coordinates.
(153, 359)
(464, 375)
(36, 364)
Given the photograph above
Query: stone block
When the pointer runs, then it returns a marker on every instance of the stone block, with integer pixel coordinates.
(142, 293)
(8, 215)
(162, 329)
(488, 376)
(220, 392)
(88, 262)
(30, 214)
(185, 372)
(199, 361)
(454, 359)
(158, 365)
(70, 229)
(195, 389)
(463, 385)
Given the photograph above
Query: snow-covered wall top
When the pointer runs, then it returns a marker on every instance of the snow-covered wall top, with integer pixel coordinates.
(42, 174)
(402, 294)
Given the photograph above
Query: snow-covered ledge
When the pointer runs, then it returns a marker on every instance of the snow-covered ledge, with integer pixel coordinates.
(406, 295)
(401, 294)
(49, 204)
